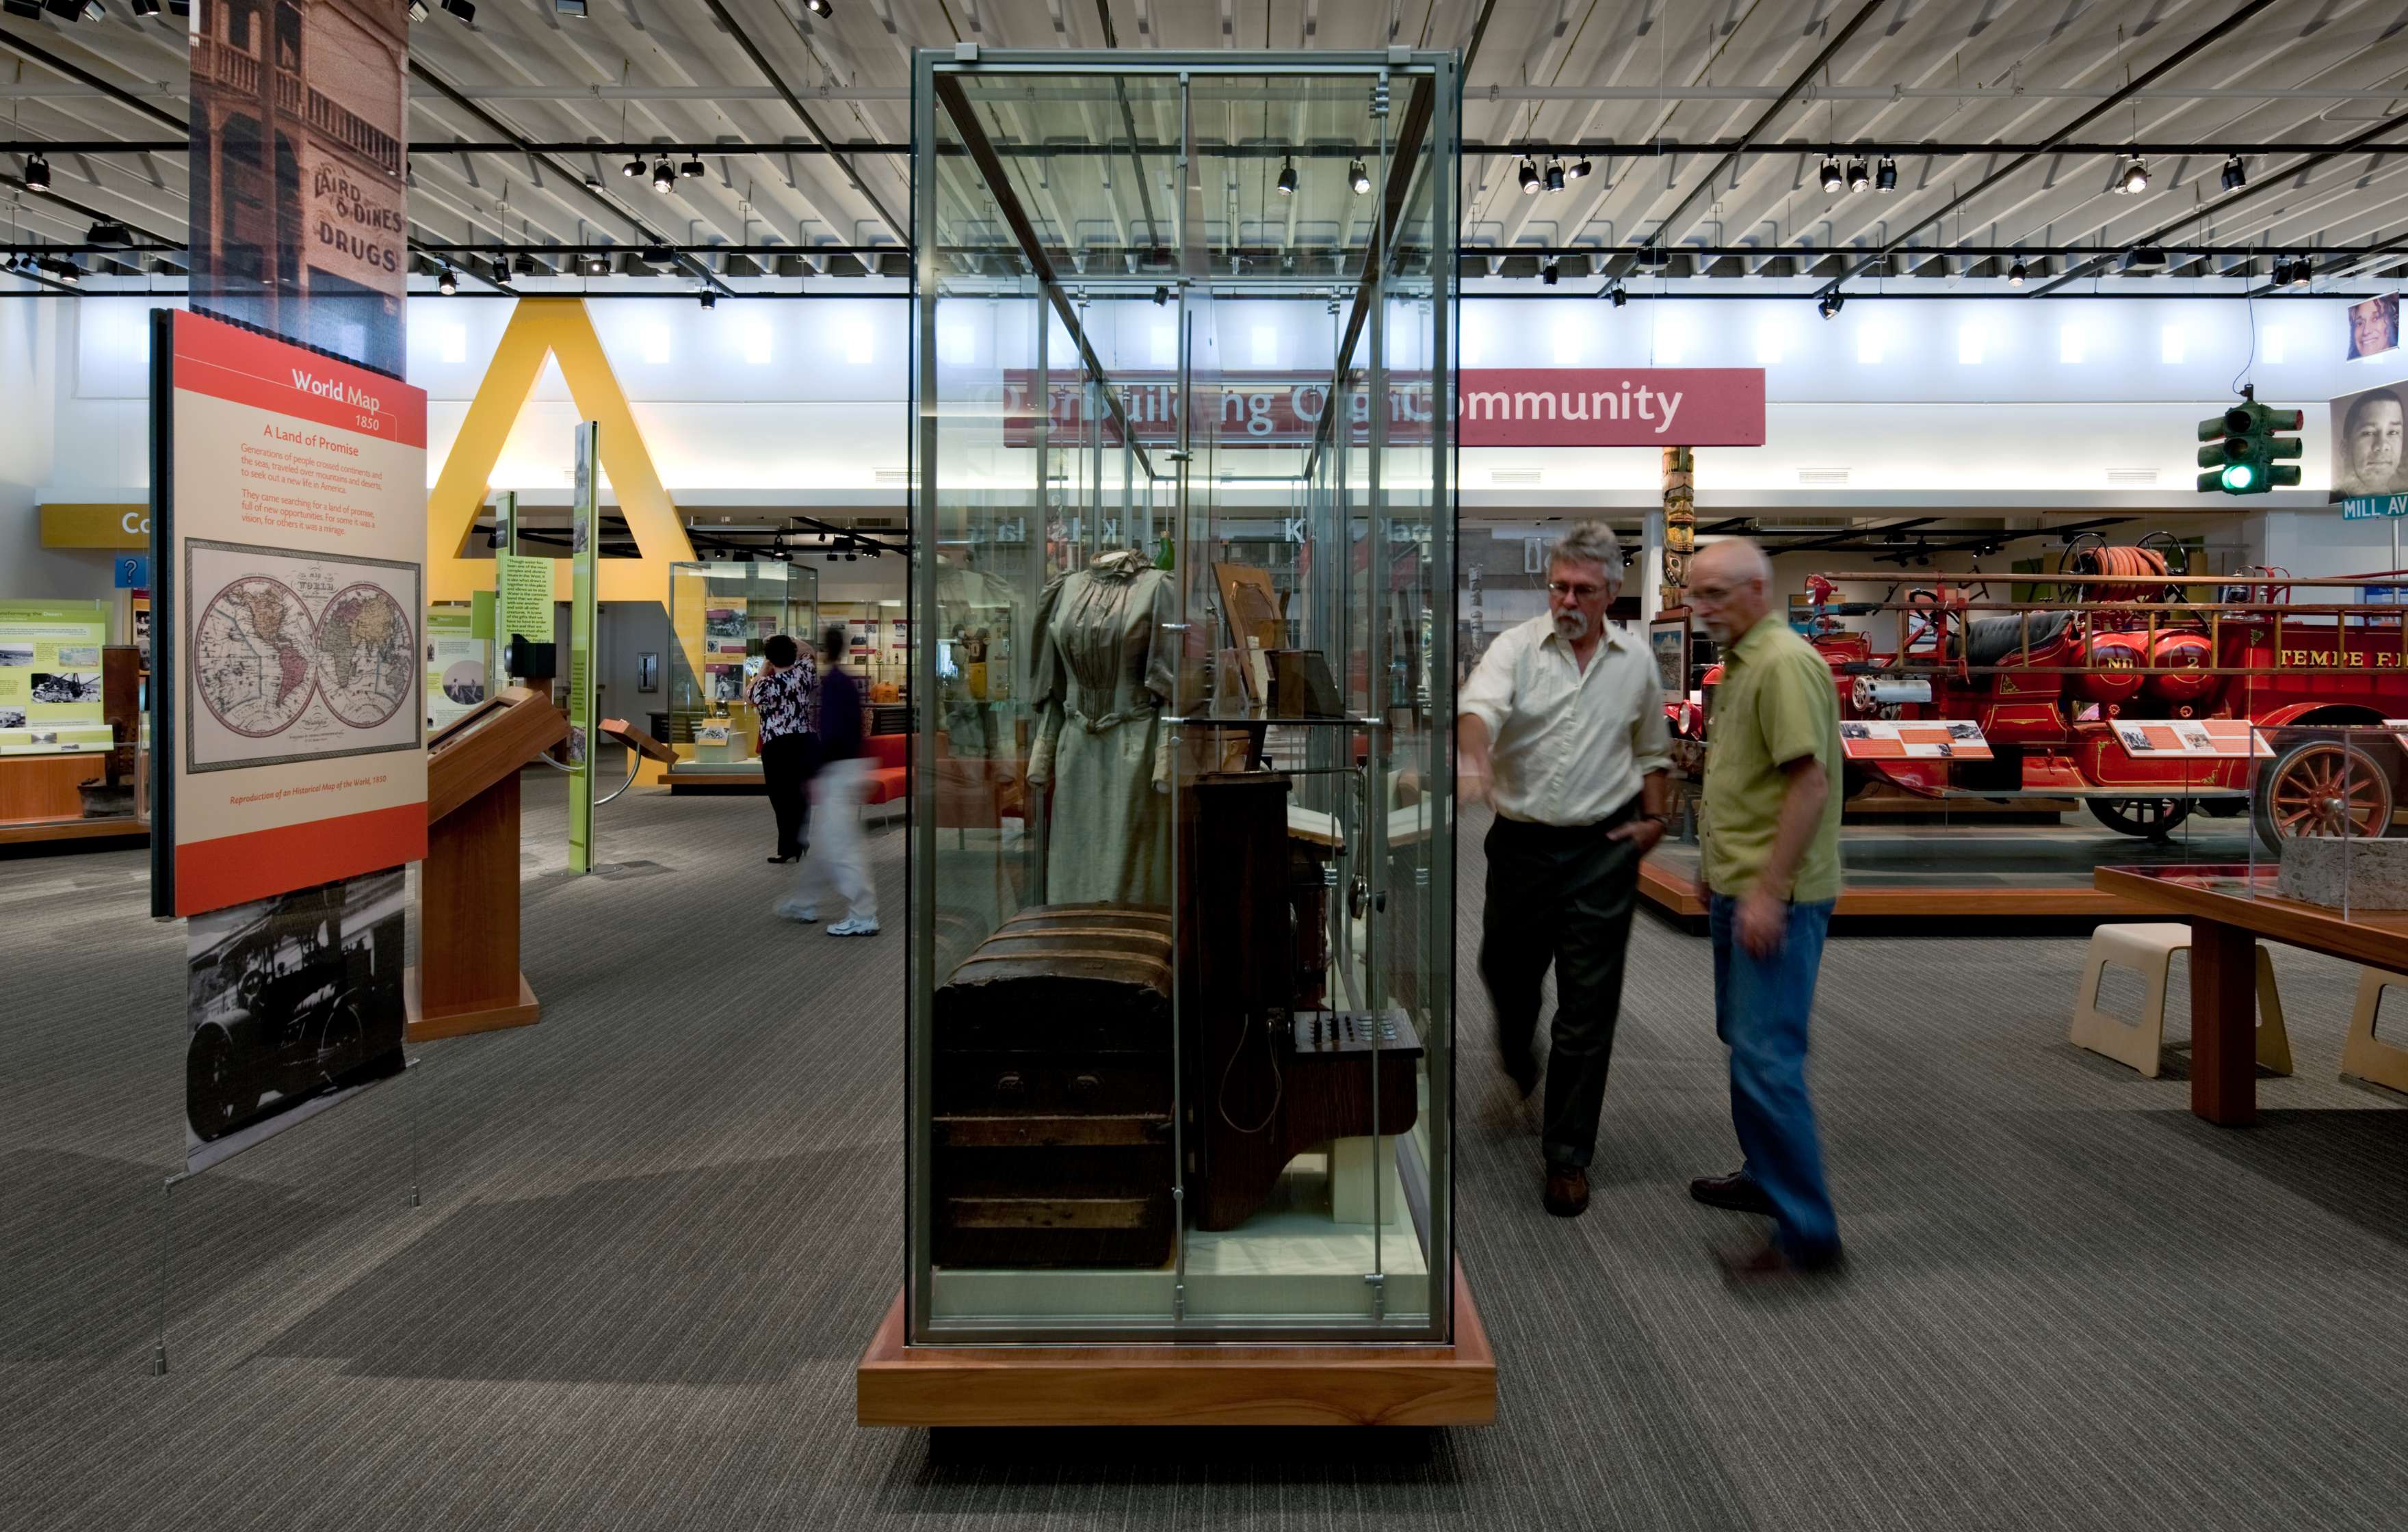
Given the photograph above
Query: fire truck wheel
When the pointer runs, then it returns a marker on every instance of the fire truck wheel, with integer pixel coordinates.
(2314, 787)
(2152, 819)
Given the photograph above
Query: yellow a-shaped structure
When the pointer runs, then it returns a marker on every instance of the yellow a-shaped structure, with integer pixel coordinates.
(561, 328)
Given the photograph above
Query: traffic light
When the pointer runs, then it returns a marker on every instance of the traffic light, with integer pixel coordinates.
(2243, 447)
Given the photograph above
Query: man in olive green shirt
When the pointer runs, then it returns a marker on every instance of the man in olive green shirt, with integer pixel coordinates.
(1772, 871)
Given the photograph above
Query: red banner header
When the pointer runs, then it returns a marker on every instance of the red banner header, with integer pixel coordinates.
(228, 362)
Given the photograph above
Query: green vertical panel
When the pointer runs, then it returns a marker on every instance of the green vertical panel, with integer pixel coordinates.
(583, 541)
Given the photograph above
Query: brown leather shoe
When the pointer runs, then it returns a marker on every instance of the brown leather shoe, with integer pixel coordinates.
(1566, 1191)
(1770, 1263)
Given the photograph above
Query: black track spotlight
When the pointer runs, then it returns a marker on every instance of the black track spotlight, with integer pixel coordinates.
(465, 9)
(692, 167)
(67, 269)
(664, 175)
(1828, 304)
(1581, 169)
(77, 11)
(418, 10)
(2304, 271)
(1556, 176)
(1287, 177)
(569, 8)
(146, 7)
(37, 173)
(1832, 178)
(1551, 273)
(1162, 297)
(1886, 175)
(1618, 297)
(446, 283)
(2236, 175)
(1358, 178)
(820, 9)
(1527, 177)
(29, 11)
(1859, 177)
(2015, 275)
(597, 265)
(2134, 180)
(707, 298)
(633, 167)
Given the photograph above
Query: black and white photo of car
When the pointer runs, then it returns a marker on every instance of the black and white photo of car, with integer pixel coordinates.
(67, 686)
(291, 998)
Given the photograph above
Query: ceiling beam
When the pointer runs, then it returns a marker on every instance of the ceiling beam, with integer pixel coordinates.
(786, 93)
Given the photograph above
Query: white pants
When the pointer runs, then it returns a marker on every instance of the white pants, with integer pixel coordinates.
(835, 864)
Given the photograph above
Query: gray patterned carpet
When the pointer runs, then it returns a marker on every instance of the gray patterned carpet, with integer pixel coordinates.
(657, 1229)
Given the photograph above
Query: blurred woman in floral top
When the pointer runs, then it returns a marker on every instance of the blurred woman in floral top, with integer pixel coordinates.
(786, 695)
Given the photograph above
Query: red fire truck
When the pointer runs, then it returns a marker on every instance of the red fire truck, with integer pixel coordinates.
(2129, 639)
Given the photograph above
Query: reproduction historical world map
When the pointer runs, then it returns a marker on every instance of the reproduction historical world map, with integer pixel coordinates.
(289, 657)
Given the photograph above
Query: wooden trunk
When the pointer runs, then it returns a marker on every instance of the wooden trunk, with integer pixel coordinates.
(1053, 1092)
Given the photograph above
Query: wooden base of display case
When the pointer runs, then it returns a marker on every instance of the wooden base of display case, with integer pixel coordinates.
(30, 832)
(421, 1027)
(1672, 891)
(898, 1385)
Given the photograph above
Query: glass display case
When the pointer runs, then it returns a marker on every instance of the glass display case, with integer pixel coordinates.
(2327, 809)
(720, 614)
(1181, 923)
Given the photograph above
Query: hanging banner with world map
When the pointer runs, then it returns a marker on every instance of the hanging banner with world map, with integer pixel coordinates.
(289, 667)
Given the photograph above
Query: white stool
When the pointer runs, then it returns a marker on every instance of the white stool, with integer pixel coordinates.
(2149, 951)
(2361, 1057)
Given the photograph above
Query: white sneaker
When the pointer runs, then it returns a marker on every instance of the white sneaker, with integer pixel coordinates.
(792, 911)
(854, 927)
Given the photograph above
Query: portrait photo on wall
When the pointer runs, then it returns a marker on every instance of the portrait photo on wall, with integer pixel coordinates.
(2367, 428)
(2374, 326)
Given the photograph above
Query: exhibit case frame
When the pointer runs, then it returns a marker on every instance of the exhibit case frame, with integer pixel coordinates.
(1182, 916)
(721, 612)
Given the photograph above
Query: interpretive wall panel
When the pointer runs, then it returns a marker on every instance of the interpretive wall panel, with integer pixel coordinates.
(292, 539)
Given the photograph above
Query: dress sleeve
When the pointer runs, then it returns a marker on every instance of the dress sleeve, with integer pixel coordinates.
(1161, 644)
(1045, 676)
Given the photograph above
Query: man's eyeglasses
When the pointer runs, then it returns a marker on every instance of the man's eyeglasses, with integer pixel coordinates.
(1578, 593)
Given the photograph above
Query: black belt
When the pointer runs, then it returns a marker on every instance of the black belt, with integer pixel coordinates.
(1623, 815)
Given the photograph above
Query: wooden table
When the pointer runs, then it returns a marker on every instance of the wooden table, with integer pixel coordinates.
(2229, 907)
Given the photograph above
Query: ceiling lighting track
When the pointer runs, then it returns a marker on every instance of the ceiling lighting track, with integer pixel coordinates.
(852, 177)
(1667, 229)
(2283, 177)
(998, 184)
(570, 177)
(2109, 102)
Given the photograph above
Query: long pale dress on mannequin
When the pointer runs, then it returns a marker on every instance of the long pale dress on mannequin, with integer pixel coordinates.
(1103, 670)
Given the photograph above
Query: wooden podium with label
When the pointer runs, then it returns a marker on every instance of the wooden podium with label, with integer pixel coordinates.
(467, 977)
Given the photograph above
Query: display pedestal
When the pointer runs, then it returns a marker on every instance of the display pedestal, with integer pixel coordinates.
(1172, 1384)
(467, 977)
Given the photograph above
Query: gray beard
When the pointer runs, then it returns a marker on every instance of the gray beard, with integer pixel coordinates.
(1572, 626)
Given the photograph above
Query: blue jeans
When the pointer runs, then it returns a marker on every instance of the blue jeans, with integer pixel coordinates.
(1760, 1010)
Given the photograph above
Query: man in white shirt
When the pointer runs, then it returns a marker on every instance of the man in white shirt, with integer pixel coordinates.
(1562, 727)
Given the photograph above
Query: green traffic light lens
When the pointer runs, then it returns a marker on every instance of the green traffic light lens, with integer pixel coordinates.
(2240, 476)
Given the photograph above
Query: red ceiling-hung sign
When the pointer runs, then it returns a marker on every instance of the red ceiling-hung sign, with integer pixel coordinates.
(1612, 406)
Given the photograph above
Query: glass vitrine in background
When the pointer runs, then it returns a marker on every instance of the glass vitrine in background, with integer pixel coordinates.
(1182, 936)
(722, 613)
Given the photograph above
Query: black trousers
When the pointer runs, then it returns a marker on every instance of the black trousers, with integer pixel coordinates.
(787, 764)
(1560, 897)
